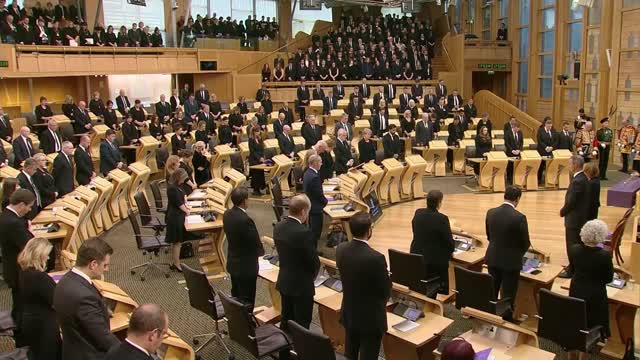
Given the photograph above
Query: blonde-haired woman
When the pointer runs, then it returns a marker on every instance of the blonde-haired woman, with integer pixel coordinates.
(39, 329)
(68, 106)
(173, 163)
(593, 270)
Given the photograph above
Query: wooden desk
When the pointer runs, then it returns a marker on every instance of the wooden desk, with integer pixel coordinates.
(623, 307)
(214, 262)
(374, 175)
(99, 133)
(436, 157)
(221, 160)
(139, 177)
(459, 157)
(411, 183)
(471, 259)
(389, 189)
(118, 202)
(104, 188)
(525, 169)
(146, 152)
(8, 172)
(557, 170)
(336, 212)
(492, 171)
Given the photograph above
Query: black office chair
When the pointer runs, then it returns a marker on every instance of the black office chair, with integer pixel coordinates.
(148, 244)
(202, 297)
(278, 202)
(309, 345)
(475, 290)
(144, 211)
(409, 270)
(260, 341)
(157, 196)
(563, 320)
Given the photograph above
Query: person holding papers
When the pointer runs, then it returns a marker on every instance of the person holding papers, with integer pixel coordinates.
(177, 211)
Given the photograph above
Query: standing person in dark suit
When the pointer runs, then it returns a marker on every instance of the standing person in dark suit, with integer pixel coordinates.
(593, 270)
(324, 149)
(63, 169)
(502, 33)
(441, 89)
(244, 248)
(148, 326)
(96, 105)
(312, 185)
(604, 138)
(311, 132)
(202, 95)
(470, 111)
(26, 181)
(546, 144)
(513, 142)
(433, 240)
(22, 147)
(391, 143)
(288, 114)
(355, 109)
(38, 326)
(177, 211)
(365, 280)
(50, 139)
(256, 157)
(317, 93)
(6, 131)
(110, 117)
(591, 170)
(82, 313)
(177, 140)
(174, 100)
(84, 164)
(380, 121)
(329, 103)
(366, 147)
(299, 263)
(575, 211)
(82, 121)
(44, 181)
(122, 103)
(424, 130)
(163, 109)
(303, 97)
(454, 101)
(286, 143)
(14, 226)
(342, 151)
(564, 140)
(508, 236)
(110, 157)
(338, 90)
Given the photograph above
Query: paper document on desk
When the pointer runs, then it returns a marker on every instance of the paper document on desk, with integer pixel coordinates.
(264, 265)
(484, 355)
(194, 219)
(195, 203)
(405, 326)
(197, 194)
(329, 188)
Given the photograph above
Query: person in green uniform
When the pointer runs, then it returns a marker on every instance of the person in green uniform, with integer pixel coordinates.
(604, 137)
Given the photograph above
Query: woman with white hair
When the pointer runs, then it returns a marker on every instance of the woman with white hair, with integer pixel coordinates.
(200, 163)
(593, 270)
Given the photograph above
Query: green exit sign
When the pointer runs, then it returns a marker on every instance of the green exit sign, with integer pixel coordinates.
(492, 66)
(4, 63)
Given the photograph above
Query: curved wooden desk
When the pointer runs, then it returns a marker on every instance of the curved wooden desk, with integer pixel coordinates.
(411, 183)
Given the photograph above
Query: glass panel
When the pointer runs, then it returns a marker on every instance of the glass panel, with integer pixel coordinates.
(472, 9)
(546, 3)
(548, 19)
(546, 64)
(575, 10)
(222, 8)
(391, 11)
(503, 6)
(240, 9)
(575, 37)
(523, 51)
(266, 8)
(523, 77)
(198, 7)
(303, 20)
(486, 17)
(486, 35)
(525, 11)
(545, 88)
(118, 13)
(595, 13)
(548, 40)
(630, 3)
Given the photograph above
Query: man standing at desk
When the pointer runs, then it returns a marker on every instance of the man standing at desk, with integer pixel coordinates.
(576, 208)
(508, 236)
(244, 248)
(147, 328)
(391, 143)
(546, 144)
(82, 313)
(513, 143)
(312, 185)
(366, 285)
(110, 157)
(299, 263)
(433, 240)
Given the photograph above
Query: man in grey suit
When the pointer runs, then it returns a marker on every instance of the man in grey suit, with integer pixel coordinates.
(82, 313)
(344, 124)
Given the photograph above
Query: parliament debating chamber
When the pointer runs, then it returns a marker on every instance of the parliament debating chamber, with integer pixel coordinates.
(320, 179)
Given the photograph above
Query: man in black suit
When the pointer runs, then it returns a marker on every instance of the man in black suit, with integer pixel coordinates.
(148, 326)
(329, 103)
(202, 95)
(441, 89)
(60, 12)
(288, 113)
(174, 100)
(376, 99)
(50, 139)
(312, 186)
(278, 124)
(318, 93)
(262, 93)
(84, 164)
(82, 121)
(122, 102)
(342, 152)
(575, 210)
(508, 236)
(366, 288)
(16, 233)
(564, 140)
(311, 132)
(244, 248)
(389, 91)
(470, 110)
(364, 89)
(513, 142)
(346, 125)
(303, 97)
(338, 90)
(424, 130)
(454, 101)
(286, 143)
(355, 110)
(163, 109)
(391, 143)
(290, 72)
(299, 263)
(6, 131)
(433, 240)
(405, 98)
(380, 123)
(22, 147)
(82, 313)
(430, 101)
(63, 169)
(25, 180)
(110, 157)
(416, 91)
(546, 144)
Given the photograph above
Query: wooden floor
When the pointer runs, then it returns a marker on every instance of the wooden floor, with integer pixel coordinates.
(468, 211)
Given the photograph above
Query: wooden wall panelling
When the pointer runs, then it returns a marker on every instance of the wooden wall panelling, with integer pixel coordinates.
(219, 83)
(246, 85)
(15, 92)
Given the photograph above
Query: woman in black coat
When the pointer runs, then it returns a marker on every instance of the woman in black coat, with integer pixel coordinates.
(593, 270)
(201, 164)
(483, 145)
(177, 211)
(39, 328)
(593, 174)
(366, 147)
(185, 163)
(256, 157)
(110, 118)
(155, 128)
(44, 181)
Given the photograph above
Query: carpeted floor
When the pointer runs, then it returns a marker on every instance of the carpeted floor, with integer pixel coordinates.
(188, 322)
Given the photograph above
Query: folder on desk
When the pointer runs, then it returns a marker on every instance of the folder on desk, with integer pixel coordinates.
(405, 326)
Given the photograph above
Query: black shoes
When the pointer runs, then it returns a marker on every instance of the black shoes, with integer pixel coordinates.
(175, 268)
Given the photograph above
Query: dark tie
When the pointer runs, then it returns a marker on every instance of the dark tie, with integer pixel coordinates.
(28, 147)
(55, 137)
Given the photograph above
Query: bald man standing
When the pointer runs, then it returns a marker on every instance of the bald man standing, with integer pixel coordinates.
(82, 120)
(148, 326)
(85, 171)
(50, 139)
(22, 147)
